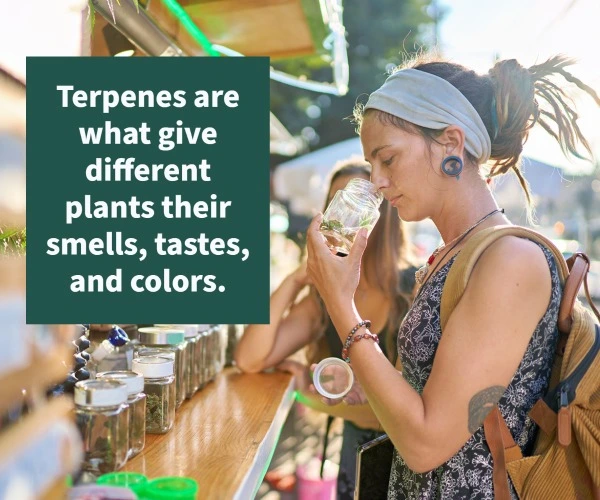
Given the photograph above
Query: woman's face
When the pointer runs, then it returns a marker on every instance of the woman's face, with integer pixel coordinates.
(402, 168)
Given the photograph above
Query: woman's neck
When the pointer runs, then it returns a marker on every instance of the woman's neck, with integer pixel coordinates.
(468, 205)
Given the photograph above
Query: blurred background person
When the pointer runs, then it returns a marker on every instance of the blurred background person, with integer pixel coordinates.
(384, 291)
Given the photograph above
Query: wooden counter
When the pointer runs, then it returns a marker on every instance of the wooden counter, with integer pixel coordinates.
(224, 437)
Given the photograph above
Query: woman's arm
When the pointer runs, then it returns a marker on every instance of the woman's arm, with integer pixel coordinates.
(264, 346)
(480, 350)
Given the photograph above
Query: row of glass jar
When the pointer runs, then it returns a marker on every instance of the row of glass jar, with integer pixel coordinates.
(170, 363)
(114, 411)
(199, 353)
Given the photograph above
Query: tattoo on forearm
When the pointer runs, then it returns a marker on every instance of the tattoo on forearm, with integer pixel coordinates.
(481, 404)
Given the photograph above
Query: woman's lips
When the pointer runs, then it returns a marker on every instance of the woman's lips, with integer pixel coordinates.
(395, 199)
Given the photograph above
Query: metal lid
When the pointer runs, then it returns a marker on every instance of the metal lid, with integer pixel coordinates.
(100, 393)
(134, 381)
(160, 336)
(153, 366)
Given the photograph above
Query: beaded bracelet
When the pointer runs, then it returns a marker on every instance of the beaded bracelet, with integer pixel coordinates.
(366, 323)
(366, 335)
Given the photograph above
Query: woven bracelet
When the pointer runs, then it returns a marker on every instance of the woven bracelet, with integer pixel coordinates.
(366, 323)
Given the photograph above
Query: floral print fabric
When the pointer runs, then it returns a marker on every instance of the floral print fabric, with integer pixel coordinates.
(468, 474)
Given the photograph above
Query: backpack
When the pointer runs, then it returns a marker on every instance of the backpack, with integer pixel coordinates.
(565, 463)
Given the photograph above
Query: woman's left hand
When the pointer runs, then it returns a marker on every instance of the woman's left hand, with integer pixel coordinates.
(335, 278)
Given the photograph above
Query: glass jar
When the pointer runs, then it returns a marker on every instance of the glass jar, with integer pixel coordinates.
(172, 340)
(136, 399)
(159, 386)
(201, 357)
(102, 417)
(209, 355)
(214, 366)
(352, 208)
(234, 334)
(192, 337)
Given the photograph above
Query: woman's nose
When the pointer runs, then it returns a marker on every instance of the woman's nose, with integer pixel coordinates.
(377, 178)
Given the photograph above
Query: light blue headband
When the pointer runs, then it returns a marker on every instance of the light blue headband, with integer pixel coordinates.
(430, 101)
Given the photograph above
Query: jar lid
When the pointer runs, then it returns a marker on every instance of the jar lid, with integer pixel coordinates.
(160, 336)
(134, 381)
(153, 367)
(100, 393)
(333, 378)
(188, 330)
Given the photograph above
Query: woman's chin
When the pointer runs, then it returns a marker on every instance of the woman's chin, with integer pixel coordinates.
(406, 215)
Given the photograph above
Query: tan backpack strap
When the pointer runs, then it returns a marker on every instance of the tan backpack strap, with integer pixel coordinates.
(458, 276)
(503, 449)
(579, 265)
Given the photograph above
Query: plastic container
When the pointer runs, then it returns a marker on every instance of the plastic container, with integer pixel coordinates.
(131, 480)
(333, 378)
(104, 492)
(102, 417)
(352, 208)
(311, 486)
(171, 339)
(136, 399)
(176, 488)
(159, 386)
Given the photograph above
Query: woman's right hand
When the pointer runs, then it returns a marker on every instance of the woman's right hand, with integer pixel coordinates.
(356, 395)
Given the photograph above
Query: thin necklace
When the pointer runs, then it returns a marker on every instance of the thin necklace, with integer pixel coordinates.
(424, 270)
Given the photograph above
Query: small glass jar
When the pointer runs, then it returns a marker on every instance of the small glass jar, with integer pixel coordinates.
(102, 417)
(352, 208)
(192, 380)
(136, 399)
(208, 357)
(234, 334)
(201, 354)
(173, 340)
(159, 386)
(215, 354)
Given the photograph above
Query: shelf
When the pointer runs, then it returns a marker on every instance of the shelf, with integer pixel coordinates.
(224, 436)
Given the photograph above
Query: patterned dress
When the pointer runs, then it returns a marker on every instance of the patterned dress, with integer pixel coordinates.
(468, 474)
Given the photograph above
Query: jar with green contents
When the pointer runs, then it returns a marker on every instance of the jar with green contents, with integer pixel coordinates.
(136, 399)
(172, 340)
(159, 386)
(102, 417)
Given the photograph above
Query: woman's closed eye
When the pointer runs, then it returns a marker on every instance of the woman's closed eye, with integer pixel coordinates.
(388, 162)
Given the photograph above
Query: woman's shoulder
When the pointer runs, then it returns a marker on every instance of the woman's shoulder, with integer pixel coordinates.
(514, 261)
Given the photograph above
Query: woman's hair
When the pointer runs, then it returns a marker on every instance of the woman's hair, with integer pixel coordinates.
(385, 255)
(510, 99)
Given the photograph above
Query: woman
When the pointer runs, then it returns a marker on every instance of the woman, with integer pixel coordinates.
(426, 132)
(379, 294)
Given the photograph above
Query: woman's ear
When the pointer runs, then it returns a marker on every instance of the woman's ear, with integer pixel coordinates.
(453, 140)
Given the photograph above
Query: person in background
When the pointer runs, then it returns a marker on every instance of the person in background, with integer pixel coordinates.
(426, 132)
(384, 291)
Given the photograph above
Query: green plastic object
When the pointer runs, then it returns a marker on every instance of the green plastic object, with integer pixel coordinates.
(180, 488)
(132, 480)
